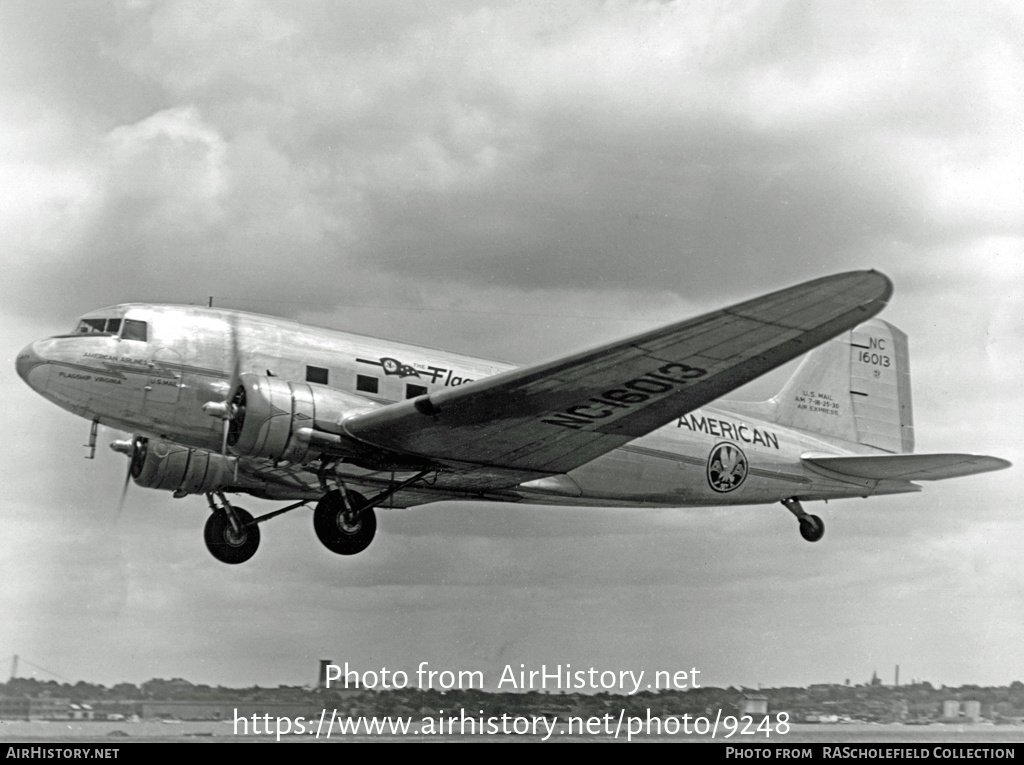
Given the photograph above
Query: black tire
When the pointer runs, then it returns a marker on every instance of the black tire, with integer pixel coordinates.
(335, 533)
(224, 544)
(812, 528)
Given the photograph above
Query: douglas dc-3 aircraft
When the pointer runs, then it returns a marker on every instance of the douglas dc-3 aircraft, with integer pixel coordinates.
(229, 402)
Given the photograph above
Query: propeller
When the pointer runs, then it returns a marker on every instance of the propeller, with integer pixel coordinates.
(228, 410)
(135, 449)
(233, 402)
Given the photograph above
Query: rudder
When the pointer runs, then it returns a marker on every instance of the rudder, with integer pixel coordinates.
(856, 388)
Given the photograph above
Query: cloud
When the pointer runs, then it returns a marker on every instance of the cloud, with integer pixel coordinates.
(584, 148)
(517, 181)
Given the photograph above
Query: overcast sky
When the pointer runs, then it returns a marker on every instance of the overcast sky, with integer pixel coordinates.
(515, 181)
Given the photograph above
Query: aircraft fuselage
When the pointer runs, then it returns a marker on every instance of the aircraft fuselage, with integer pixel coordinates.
(162, 364)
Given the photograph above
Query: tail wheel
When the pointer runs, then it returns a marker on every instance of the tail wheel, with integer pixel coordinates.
(341, 526)
(812, 528)
(227, 545)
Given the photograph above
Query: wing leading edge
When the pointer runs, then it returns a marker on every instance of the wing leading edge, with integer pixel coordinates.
(555, 416)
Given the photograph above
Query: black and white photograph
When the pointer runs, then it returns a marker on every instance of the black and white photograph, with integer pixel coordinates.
(565, 371)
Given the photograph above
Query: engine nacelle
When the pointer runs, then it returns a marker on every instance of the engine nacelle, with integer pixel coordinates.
(161, 465)
(293, 421)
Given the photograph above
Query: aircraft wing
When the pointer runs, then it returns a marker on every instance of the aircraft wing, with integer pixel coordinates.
(908, 467)
(553, 417)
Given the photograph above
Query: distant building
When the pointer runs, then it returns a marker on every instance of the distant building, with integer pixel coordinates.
(81, 712)
(972, 710)
(14, 707)
(951, 710)
(41, 708)
(227, 708)
(230, 709)
(322, 680)
(753, 704)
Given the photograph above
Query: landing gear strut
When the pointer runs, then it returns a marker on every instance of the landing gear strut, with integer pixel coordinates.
(812, 528)
(231, 533)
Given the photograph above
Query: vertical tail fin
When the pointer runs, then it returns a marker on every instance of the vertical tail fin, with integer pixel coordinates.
(855, 387)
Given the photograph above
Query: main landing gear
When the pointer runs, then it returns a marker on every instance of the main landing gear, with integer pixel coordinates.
(344, 522)
(231, 533)
(812, 528)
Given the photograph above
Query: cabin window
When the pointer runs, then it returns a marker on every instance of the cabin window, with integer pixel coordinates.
(317, 375)
(134, 330)
(412, 391)
(367, 384)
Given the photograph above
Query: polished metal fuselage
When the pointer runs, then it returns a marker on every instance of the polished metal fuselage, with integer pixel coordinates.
(158, 387)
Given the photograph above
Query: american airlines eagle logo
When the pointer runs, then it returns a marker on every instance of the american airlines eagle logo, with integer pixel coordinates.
(727, 468)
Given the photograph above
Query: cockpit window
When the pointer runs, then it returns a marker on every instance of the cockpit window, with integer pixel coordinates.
(98, 326)
(128, 328)
(134, 330)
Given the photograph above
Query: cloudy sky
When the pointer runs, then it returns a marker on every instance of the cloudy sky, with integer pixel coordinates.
(515, 181)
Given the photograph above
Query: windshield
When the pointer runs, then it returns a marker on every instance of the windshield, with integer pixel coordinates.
(98, 327)
(127, 329)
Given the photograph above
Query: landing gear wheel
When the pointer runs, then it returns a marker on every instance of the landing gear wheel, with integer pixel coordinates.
(337, 529)
(812, 528)
(224, 543)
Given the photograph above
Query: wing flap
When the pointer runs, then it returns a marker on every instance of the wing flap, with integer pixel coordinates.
(908, 467)
(555, 416)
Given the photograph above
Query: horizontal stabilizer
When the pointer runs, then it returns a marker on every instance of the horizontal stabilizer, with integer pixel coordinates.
(907, 467)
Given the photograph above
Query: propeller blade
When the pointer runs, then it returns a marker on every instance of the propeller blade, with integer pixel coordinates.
(124, 490)
(224, 409)
(236, 362)
(127, 447)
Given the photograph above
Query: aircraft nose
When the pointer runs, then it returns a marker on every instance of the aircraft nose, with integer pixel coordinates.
(32, 368)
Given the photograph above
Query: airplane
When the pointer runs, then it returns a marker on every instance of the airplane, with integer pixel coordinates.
(226, 402)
